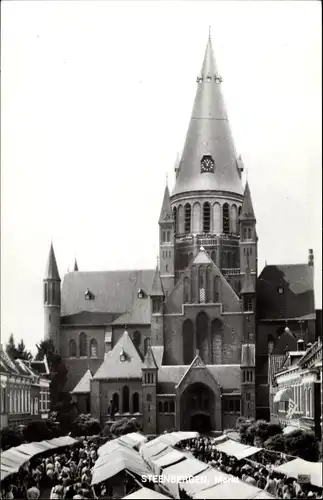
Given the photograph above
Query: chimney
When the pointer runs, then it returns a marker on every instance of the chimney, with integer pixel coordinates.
(300, 345)
(310, 257)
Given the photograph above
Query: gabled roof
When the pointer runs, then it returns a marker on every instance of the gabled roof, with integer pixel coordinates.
(247, 283)
(113, 368)
(157, 289)
(139, 314)
(202, 257)
(285, 291)
(248, 355)
(52, 269)
(208, 133)
(166, 214)
(228, 376)
(113, 291)
(158, 354)
(247, 211)
(84, 385)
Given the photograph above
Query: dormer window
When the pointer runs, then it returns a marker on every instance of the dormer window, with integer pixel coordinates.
(122, 356)
(88, 295)
(140, 294)
(280, 290)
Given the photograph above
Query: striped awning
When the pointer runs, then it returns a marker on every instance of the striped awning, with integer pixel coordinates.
(283, 395)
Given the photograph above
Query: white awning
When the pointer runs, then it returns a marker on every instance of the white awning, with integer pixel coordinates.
(166, 459)
(238, 450)
(289, 429)
(145, 493)
(283, 395)
(230, 489)
(302, 467)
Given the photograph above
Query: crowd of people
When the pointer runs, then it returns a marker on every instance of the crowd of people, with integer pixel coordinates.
(66, 474)
(258, 472)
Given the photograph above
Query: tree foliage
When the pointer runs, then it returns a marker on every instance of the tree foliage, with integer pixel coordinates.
(124, 426)
(299, 443)
(10, 437)
(256, 433)
(85, 425)
(19, 351)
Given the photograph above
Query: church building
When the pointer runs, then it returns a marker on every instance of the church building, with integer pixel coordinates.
(176, 346)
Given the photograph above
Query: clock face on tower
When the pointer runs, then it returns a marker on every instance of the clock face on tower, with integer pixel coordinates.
(207, 164)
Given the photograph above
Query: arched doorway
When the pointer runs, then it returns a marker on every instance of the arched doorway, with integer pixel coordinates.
(198, 408)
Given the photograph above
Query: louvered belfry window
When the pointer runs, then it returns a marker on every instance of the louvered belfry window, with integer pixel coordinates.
(206, 217)
(187, 221)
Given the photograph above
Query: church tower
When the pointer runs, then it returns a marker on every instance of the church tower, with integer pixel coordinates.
(52, 300)
(248, 236)
(208, 193)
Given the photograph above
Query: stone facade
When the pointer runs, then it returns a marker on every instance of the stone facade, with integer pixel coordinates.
(183, 346)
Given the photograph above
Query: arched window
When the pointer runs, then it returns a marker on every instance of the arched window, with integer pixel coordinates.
(187, 289)
(115, 402)
(175, 219)
(206, 217)
(160, 407)
(196, 218)
(166, 407)
(209, 297)
(216, 289)
(83, 344)
(217, 336)
(46, 292)
(238, 220)
(72, 348)
(234, 213)
(148, 397)
(202, 336)
(226, 218)
(135, 402)
(125, 399)
(188, 342)
(213, 256)
(146, 343)
(53, 292)
(93, 348)
(137, 339)
(187, 222)
(172, 407)
(180, 219)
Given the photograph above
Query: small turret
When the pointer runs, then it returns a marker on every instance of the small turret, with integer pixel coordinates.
(149, 386)
(157, 296)
(166, 243)
(52, 300)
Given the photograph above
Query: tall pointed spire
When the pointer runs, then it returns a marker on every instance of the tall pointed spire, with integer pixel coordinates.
(76, 267)
(52, 269)
(157, 289)
(209, 135)
(247, 211)
(166, 211)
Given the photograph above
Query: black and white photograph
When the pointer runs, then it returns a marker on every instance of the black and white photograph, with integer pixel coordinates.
(161, 253)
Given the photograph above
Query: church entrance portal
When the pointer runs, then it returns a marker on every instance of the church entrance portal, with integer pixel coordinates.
(197, 409)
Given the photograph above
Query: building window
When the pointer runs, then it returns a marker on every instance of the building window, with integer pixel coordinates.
(249, 233)
(248, 304)
(175, 218)
(46, 292)
(216, 289)
(83, 345)
(160, 407)
(187, 220)
(115, 402)
(36, 406)
(186, 290)
(72, 348)
(125, 399)
(245, 233)
(137, 339)
(135, 402)
(156, 305)
(148, 397)
(163, 236)
(94, 348)
(146, 344)
(248, 396)
(206, 217)
(226, 218)
(166, 407)
(168, 236)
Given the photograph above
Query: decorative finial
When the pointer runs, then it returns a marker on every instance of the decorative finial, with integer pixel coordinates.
(125, 327)
(167, 179)
(209, 32)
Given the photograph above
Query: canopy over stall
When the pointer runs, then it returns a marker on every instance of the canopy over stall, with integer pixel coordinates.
(230, 489)
(14, 458)
(145, 493)
(203, 480)
(166, 459)
(131, 440)
(297, 467)
(238, 450)
(175, 474)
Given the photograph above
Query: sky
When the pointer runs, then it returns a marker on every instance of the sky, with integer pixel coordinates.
(95, 103)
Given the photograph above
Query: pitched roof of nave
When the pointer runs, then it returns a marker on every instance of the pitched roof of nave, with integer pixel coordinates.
(115, 367)
(112, 291)
(139, 313)
(228, 376)
(51, 269)
(209, 134)
(286, 292)
(84, 385)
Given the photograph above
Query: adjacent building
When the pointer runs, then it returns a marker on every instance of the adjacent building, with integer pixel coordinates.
(184, 345)
(296, 388)
(25, 392)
